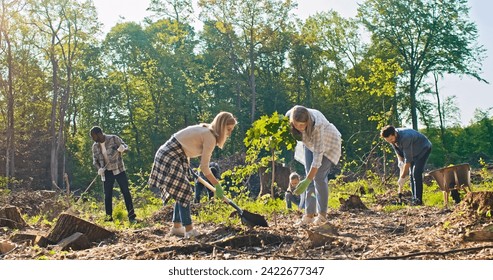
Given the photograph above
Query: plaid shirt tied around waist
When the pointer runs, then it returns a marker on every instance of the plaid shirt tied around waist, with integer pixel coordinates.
(170, 173)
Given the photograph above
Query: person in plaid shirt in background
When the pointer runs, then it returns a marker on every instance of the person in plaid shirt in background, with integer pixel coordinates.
(322, 150)
(107, 153)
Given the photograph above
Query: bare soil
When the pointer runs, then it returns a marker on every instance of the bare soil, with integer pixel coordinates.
(414, 232)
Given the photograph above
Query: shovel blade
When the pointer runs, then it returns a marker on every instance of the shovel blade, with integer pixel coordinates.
(252, 219)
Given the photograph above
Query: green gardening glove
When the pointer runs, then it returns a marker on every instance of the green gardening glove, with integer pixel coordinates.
(219, 191)
(302, 186)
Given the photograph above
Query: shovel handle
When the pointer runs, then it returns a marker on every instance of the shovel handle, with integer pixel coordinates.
(210, 187)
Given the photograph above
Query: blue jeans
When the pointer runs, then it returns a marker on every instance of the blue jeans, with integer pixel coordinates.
(182, 214)
(416, 176)
(316, 196)
(301, 205)
(291, 198)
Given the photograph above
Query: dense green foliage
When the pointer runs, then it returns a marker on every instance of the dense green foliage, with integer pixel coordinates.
(144, 81)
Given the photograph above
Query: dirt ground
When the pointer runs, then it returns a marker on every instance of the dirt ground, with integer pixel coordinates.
(414, 232)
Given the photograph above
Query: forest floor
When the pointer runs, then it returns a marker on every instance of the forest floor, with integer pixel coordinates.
(412, 232)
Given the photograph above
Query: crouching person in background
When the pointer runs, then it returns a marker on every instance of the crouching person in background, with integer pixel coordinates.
(294, 180)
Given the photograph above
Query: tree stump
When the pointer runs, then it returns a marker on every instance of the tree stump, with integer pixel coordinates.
(68, 225)
(6, 247)
(318, 239)
(479, 202)
(353, 202)
(10, 217)
(323, 234)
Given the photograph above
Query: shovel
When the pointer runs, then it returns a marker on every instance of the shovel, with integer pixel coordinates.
(248, 218)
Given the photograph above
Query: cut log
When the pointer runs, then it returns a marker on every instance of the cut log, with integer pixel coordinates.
(323, 234)
(6, 247)
(481, 202)
(68, 225)
(11, 217)
(319, 239)
(42, 241)
(479, 236)
(24, 237)
(31, 238)
(76, 241)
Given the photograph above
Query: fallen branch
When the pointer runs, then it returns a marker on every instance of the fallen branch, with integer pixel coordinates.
(432, 253)
(224, 245)
(204, 247)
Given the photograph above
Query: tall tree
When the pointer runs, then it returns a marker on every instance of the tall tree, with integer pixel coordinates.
(61, 24)
(127, 45)
(8, 14)
(340, 50)
(428, 35)
(253, 22)
(179, 10)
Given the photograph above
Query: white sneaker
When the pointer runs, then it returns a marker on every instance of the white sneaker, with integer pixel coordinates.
(177, 231)
(191, 234)
(305, 220)
(320, 220)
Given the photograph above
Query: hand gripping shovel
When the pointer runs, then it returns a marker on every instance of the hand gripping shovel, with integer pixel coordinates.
(248, 218)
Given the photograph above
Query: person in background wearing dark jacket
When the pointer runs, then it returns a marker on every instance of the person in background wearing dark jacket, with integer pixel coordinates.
(199, 187)
(412, 149)
(107, 153)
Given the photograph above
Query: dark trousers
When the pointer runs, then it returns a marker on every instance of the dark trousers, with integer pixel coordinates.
(199, 188)
(108, 192)
(416, 176)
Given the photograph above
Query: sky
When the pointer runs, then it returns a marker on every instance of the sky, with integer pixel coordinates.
(470, 93)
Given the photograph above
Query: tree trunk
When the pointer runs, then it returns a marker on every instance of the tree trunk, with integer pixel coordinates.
(253, 89)
(412, 91)
(11, 217)
(62, 113)
(132, 121)
(10, 149)
(273, 177)
(53, 132)
(440, 112)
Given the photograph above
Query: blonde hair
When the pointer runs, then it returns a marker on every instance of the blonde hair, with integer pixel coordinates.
(301, 114)
(218, 126)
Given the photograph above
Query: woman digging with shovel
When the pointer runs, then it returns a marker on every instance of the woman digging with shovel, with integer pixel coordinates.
(171, 165)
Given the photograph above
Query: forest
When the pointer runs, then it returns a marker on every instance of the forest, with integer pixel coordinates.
(144, 81)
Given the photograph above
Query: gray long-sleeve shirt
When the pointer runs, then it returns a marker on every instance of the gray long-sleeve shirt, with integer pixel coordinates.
(411, 145)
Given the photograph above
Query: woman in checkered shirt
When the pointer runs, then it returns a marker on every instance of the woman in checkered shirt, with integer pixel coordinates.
(171, 165)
